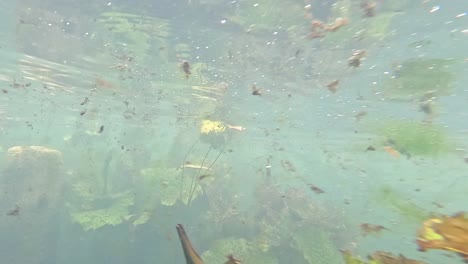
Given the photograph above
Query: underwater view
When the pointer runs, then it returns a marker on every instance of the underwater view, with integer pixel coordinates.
(240, 131)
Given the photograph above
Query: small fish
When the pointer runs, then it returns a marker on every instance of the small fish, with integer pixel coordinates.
(14, 211)
(238, 128)
(370, 148)
(368, 8)
(85, 101)
(101, 129)
(203, 176)
(316, 189)
(333, 86)
(392, 151)
(186, 68)
(360, 115)
(193, 166)
(255, 90)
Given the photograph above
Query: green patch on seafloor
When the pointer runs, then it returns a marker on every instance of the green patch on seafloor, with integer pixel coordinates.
(317, 246)
(394, 200)
(269, 14)
(415, 138)
(417, 77)
(136, 32)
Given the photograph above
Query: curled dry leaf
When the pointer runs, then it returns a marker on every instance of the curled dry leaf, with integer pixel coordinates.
(447, 233)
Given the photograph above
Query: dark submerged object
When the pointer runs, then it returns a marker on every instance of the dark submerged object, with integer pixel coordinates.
(191, 256)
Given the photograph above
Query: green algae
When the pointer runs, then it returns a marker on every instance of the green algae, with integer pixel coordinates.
(114, 214)
(316, 246)
(391, 198)
(417, 77)
(268, 15)
(138, 32)
(416, 138)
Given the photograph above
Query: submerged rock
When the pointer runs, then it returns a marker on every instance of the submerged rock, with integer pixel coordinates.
(31, 186)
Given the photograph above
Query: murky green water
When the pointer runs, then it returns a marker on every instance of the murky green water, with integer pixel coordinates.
(278, 131)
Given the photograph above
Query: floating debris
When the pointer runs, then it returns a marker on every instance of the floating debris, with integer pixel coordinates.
(232, 260)
(15, 211)
(316, 189)
(333, 86)
(319, 28)
(355, 60)
(370, 148)
(368, 8)
(186, 68)
(360, 115)
(255, 90)
(367, 228)
(390, 150)
(85, 101)
(209, 126)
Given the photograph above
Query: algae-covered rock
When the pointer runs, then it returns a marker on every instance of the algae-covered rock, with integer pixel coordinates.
(316, 246)
(416, 77)
(242, 249)
(416, 138)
